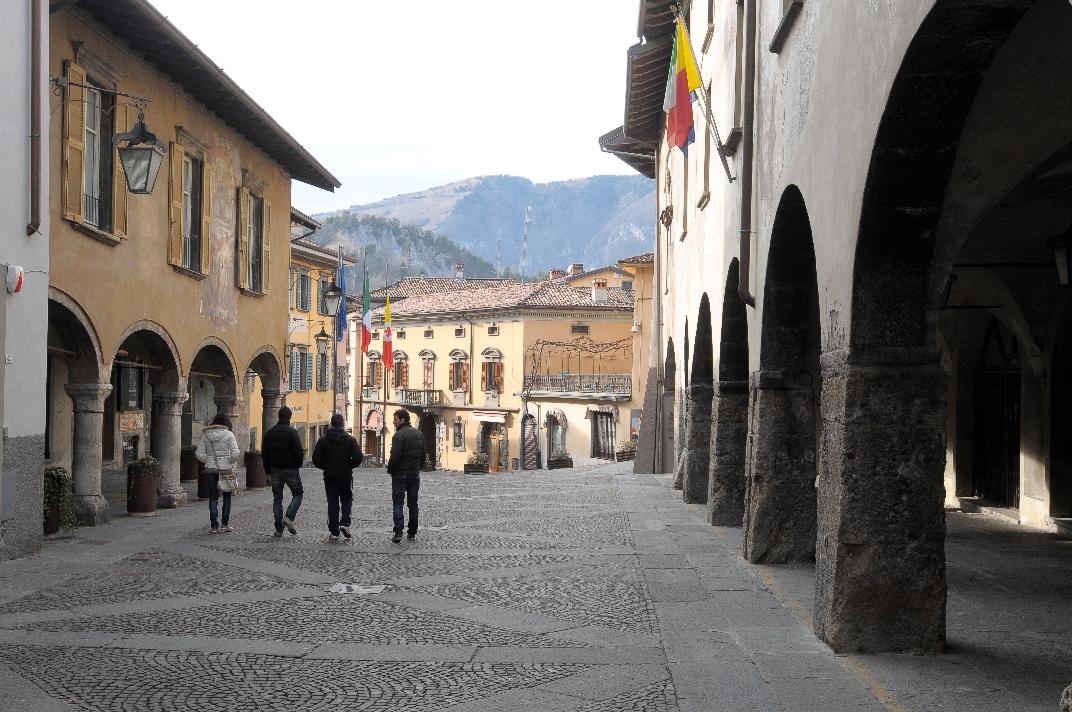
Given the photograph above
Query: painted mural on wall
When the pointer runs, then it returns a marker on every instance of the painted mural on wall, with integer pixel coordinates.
(219, 298)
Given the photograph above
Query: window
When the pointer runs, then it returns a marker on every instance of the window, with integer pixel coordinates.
(459, 376)
(323, 372)
(376, 335)
(374, 374)
(301, 370)
(579, 329)
(304, 296)
(321, 292)
(254, 230)
(253, 254)
(428, 380)
(192, 172)
(491, 377)
(459, 332)
(98, 168)
(459, 434)
(428, 333)
(493, 331)
(400, 376)
(627, 285)
(400, 334)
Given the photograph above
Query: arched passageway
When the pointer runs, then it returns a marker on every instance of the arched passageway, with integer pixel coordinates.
(729, 411)
(264, 377)
(700, 390)
(779, 516)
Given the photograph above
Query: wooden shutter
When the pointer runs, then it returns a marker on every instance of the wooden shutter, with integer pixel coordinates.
(405, 374)
(429, 374)
(308, 371)
(379, 374)
(119, 178)
(74, 144)
(465, 376)
(178, 154)
(206, 218)
(499, 376)
(484, 377)
(266, 234)
(451, 379)
(295, 370)
(242, 261)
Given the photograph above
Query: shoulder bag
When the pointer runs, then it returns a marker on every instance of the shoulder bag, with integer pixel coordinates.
(228, 480)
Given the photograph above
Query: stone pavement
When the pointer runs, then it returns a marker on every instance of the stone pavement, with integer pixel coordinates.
(587, 590)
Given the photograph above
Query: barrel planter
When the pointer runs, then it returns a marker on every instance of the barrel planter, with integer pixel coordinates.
(255, 478)
(202, 483)
(559, 463)
(476, 469)
(141, 488)
(188, 464)
(52, 520)
(625, 455)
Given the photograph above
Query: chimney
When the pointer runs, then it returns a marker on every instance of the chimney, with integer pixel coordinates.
(459, 270)
(599, 291)
(558, 274)
(575, 269)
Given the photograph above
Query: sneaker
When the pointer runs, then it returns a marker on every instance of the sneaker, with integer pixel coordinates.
(289, 524)
(225, 528)
(345, 531)
(412, 537)
(397, 538)
(334, 537)
(215, 530)
(278, 533)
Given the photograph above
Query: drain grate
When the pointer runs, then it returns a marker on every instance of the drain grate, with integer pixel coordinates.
(357, 588)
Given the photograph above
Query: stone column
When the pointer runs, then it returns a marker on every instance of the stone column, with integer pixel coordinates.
(729, 436)
(697, 444)
(880, 579)
(228, 405)
(779, 516)
(88, 503)
(167, 409)
(273, 401)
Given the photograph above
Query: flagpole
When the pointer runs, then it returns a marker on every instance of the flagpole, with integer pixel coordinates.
(386, 282)
(335, 341)
(361, 357)
(705, 100)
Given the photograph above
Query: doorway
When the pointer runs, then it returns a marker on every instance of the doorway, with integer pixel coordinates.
(602, 435)
(428, 430)
(997, 419)
(495, 446)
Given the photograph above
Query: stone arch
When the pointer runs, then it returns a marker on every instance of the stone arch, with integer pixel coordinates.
(700, 391)
(261, 410)
(729, 411)
(161, 347)
(491, 353)
(780, 503)
(73, 330)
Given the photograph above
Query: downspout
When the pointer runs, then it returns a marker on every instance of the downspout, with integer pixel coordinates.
(35, 118)
(472, 359)
(744, 288)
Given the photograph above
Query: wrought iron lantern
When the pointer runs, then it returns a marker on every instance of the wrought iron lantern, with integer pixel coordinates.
(1062, 254)
(332, 299)
(322, 340)
(141, 157)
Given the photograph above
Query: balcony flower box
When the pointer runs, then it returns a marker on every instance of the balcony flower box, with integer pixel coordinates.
(625, 455)
(559, 463)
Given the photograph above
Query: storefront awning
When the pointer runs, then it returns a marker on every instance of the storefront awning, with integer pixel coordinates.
(489, 417)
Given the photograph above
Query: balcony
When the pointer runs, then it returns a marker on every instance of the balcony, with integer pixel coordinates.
(591, 386)
(418, 397)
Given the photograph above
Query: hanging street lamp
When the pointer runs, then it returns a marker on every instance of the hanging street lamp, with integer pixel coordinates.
(141, 157)
(332, 299)
(1062, 254)
(322, 340)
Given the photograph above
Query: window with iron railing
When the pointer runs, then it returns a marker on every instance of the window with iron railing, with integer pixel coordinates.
(618, 383)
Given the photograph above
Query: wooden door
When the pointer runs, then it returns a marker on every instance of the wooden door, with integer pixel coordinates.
(494, 453)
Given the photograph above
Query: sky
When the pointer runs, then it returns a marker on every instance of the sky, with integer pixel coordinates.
(398, 97)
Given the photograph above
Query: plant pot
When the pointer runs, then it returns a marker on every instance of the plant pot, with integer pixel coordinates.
(141, 490)
(476, 469)
(559, 463)
(202, 483)
(52, 520)
(188, 464)
(255, 478)
(625, 455)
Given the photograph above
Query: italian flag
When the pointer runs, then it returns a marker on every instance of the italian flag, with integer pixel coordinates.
(681, 88)
(388, 345)
(366, 317)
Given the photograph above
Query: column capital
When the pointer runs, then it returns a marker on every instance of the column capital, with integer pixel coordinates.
(88, 397)
(170, 403)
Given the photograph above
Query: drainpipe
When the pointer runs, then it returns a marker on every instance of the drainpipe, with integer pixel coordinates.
(35, 118)
(744, 288)
(472, 359)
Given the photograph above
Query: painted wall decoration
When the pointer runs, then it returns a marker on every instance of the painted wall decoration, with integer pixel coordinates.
(219, 298)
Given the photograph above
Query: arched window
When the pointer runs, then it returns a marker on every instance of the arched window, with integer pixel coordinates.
(428, 359)
(459, 370)
(400, 377)
(374, 371)
(491, 371)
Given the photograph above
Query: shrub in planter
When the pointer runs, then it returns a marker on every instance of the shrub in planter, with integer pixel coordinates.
(626, 450)
(559, 459)
(188, 463)
(141, 486)
(255, 477)
(477, 464)
(57, 502)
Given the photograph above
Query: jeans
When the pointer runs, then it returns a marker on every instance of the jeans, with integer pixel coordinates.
(405, 487)
(292, 478)
(339, 490)
(213, 480)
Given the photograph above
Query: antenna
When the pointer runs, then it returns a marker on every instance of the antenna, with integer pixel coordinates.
(525, 242)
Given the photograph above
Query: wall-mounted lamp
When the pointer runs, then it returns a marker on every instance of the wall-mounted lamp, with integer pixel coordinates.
(332, 299)
(322, 339)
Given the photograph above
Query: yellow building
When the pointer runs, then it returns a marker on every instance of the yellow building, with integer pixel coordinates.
(511, 371)
(160, 303)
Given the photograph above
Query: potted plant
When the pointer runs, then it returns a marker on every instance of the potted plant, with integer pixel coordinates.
(626, 450)
(255, 478)
(559, 459)
(142, 476)
(477, 464)
(57, 501)
(188, 463)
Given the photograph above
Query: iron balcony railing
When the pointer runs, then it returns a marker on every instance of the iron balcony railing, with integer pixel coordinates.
(619, 383)
(91, 215)
(417, 396)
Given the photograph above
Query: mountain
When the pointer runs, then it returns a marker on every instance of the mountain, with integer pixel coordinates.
(595, 220)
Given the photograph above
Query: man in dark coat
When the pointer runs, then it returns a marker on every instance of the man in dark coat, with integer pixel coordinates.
(283, 455)
(337, 454)
(404, 466)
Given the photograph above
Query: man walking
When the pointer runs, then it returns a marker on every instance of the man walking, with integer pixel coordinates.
(337, 454)
(404, 467)
(283, 454)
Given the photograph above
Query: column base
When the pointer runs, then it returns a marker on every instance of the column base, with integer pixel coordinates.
(91, 509)
(171, 499)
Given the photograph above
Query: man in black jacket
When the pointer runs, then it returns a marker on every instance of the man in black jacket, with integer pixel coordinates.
(337, 454)
(283, 454)
(404, 467)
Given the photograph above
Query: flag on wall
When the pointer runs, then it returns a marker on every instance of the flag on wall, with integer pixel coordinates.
(681, 88)
(388, 346)
(366, 317)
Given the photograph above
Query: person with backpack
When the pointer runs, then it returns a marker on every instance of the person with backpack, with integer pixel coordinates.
(283, 454)
(337, 453)
(404, 466)
(218, 449)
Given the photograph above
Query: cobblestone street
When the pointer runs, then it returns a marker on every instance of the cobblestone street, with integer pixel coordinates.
(587, 590)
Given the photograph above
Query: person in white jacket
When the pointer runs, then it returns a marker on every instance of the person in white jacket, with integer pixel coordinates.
(218, 448)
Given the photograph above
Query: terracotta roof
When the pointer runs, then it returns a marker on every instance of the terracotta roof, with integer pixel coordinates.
(645, 259)
(597, 270)
(414, 286)
(532, 295)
